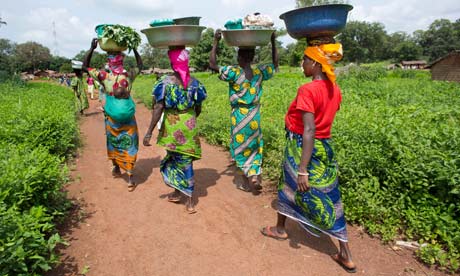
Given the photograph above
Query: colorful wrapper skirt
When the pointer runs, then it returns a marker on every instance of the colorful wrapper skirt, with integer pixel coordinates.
(122, 143)
(319, 209)
(179, 136)
(246, 147)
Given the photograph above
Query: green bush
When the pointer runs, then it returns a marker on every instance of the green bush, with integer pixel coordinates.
(31, 177)
(38, 129)
(38, 114)
(397, 138)
(26, 241)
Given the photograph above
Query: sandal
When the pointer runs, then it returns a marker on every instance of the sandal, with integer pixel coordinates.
(339, 260)
(131, 187)
(243, 188)
(174, 199)
(267, 232)
(116, 172)
(190, 210)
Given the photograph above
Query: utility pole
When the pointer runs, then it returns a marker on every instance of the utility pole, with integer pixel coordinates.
(55, 43)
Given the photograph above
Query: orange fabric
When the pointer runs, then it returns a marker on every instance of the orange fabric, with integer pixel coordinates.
(326, 54)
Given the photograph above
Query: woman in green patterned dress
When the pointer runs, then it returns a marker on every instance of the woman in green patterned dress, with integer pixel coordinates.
(310, 192)
(180, 97)
(245, 92)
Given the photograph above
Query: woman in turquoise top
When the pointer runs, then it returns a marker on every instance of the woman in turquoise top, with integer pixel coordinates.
(245, 92)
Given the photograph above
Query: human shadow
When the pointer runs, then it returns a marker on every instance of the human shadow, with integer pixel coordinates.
(240, 181)
(298, 237)
(143, 169)
(76, 215)
(89, 114)
(204, 178)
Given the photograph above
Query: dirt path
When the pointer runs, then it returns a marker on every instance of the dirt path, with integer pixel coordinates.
(140, 233)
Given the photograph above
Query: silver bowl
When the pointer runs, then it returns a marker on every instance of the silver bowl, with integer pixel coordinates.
(247, 38)
(173, 35)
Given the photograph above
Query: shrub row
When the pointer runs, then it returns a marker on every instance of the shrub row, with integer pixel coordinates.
(38, 129)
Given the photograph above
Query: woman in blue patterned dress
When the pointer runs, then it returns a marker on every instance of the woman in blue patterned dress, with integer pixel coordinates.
(245, 92)
(310, 191)
(180, 97)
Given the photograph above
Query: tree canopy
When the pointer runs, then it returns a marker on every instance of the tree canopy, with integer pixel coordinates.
(363, 42)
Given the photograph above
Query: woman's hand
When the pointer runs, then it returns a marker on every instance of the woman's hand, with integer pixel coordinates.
(146, 140)
(218, 35)
(302, 183)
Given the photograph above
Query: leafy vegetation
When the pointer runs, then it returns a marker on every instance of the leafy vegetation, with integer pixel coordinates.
(122, 35)
(37, 131)
(397, 140)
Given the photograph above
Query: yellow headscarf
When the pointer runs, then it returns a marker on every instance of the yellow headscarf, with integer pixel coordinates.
(326, 54)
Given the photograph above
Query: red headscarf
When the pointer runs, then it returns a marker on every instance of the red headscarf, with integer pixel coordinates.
(179, 61)
(116, 63)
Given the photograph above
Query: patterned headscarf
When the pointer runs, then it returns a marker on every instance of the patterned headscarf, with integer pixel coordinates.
(179, 62)
(116, 63)
(326, 54)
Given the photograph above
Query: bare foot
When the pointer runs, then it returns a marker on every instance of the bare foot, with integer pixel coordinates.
(131, 184)
(174, 196)
(272, 232)
(349, 266)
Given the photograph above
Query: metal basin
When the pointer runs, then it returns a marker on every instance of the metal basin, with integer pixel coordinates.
(191, 20)
(247, 38)
(175, 35)
(316, 21)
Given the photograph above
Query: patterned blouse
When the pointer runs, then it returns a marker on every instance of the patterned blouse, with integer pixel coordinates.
(241, 90)
(175, 96)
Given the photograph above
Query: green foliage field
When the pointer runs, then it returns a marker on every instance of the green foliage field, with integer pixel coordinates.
(38, 129)
(397, 137)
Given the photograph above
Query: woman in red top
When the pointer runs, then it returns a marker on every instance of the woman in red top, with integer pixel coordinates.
(310, 192)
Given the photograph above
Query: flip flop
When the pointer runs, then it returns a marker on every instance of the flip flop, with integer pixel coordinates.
(338, 260)
(190, 211)
(267, 232)
(131, 187)
(242, 188)
(174, 199)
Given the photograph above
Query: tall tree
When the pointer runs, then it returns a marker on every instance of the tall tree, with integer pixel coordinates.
(154, 57)
(98, 60)
(57, 62)
(264, 53)
(363, 41)
(31, 56)
(442, 37)
(199, 55)
(6, 52)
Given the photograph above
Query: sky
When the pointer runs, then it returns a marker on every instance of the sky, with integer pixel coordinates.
(74, 21)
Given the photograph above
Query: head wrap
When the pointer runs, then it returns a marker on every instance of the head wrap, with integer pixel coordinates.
(116, 63)
(179, 63)
(326, 54)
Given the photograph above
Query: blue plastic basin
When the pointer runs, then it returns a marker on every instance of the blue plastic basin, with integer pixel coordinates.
(315, 21)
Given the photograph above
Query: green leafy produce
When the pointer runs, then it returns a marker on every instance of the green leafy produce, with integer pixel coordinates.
(123, 35)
